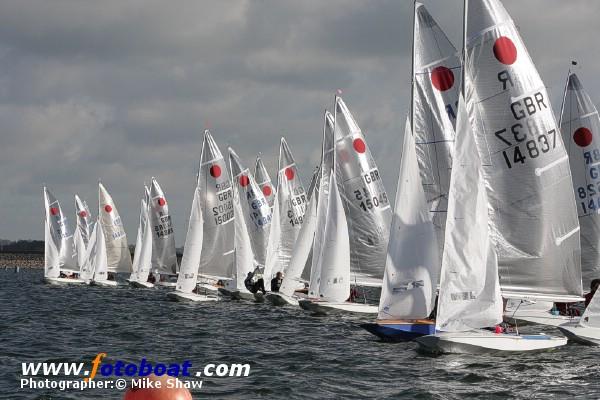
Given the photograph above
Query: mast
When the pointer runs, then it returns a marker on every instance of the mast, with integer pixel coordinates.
(464, 48)
(562, 105)
(412, 72)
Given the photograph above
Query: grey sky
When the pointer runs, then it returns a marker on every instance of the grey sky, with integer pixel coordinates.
(122, 90)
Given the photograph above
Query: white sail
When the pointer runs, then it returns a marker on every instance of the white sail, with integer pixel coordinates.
(83, 229)
(53, 235)
(313, 193)
(299, 262)
(364, 197)
(327, 166)
(412, 266)
(334, 285)
(61, 251)
(190, 263)
(580, 127)
(142, 257)
(254, 207)
(216, 204)
(118, 255)
(164, 255)
(525, 165)
(264, 181)
(87, 268)
(469, 287)
(288, 214)
(436, 83)
(99, 255)
(244, 255)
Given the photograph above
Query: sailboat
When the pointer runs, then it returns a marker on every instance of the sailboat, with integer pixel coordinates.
(118, 257)
(580, 126)
(364, 197)
(512, 207)
(208, 251)
(59, 249)
(287, 215)
(95, 269)
(252, 225)
(164, 254)
(330, 273)
(419, 219)
(142, 257)
(264, 181)
(83, 230)
(297, 273)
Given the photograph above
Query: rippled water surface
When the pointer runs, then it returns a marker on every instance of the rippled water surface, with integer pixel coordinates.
(292, 354)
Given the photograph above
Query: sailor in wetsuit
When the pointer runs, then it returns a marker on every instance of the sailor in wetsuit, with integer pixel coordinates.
(254, 282)
(276, 282)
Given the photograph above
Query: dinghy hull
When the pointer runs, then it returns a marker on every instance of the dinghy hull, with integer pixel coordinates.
(166, 284)
(322, 307)
(236, 294)
(400, 331)
(141, 285)
(484, 342)
(190, 297)
(278, 299)
(64, 281)
(581, 334)
(105, 283)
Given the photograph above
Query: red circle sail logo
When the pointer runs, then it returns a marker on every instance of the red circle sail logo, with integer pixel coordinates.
(244, 180)
(161, 201)
(215, 171)
(442, 78)
(289, 173)
(107, 208)
(359, 145)
(505, 50)
(267, 190)
(583, 137)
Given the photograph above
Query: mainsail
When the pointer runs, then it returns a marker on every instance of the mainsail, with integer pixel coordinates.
(413, 264)
(525, 164)
(323, 188)
(255, 210)
(59, 252)
(188, 274)
(142, 257)
(164, 254)
(117, 251)
(469, 289)
(83, 230)
(288, 214)
(216, 204)
(334, 260)
(364, 197)
(436, 83)
(98, 254)
(264, 181)
(580, 127)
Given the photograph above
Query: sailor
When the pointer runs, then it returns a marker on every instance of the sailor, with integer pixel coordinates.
(593, 287)
(276, 282)
(254, 282)
(151, 278)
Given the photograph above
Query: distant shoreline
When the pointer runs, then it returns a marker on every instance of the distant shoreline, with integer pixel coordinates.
(22, 260)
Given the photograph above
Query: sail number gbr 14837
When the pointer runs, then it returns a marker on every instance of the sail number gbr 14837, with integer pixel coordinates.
(522, 146)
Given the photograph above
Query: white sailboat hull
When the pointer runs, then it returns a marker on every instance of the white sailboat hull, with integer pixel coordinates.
(581, 334)
(237, 294)
(166, 284)
(537, 317)
(64, 281)
(280, 299)
(105, 283)
(324, 307)
(485, 342)
(208, 288)
(190, 297)
(141, 285)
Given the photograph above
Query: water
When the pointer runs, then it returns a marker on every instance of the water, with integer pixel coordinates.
(292, 354)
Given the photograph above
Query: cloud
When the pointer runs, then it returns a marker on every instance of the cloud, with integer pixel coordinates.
(122, 90)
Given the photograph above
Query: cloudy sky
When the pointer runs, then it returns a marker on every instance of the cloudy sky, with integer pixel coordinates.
(122, 90)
